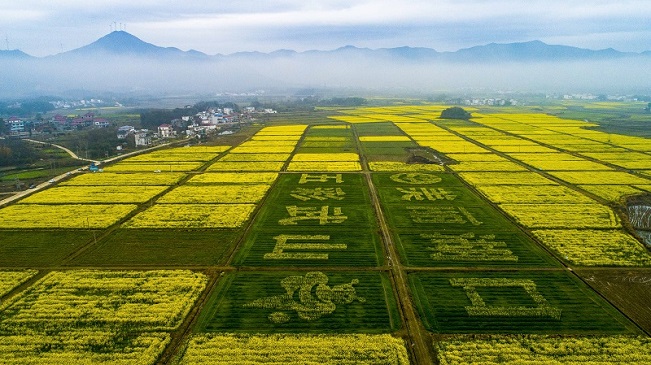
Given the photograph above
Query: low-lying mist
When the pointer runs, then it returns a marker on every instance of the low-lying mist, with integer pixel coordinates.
(140, 75)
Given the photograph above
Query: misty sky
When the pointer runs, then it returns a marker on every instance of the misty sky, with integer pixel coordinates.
(44, 27)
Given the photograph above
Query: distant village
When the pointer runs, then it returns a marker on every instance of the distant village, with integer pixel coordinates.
(200, 125)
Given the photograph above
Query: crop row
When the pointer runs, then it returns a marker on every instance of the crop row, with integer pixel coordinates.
(63, 215)
(542, 350)
(94, 194)
(177, 216)
(125, 179)
(359, 349)
(214, 194)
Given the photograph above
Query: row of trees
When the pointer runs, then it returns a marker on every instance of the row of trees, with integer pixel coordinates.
(14, 152)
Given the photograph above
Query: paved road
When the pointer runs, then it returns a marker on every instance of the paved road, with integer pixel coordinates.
(72, 154)
(56, 179)
(38, 187)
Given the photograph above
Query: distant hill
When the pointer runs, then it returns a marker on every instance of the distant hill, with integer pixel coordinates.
(121, 43)
(531, 51)
(14, 54)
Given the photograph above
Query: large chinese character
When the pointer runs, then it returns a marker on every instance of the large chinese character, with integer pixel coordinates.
(309, 296)
(446, 214)
(279, 251)
(322, 215)
(322, 178)
(306, 194)
(479, 308)
(466, 247)
(431, 194)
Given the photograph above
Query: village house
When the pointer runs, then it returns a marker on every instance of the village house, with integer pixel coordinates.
(166, 131)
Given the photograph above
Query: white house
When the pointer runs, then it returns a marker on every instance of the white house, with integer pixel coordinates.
(142, 138)
(165, 131)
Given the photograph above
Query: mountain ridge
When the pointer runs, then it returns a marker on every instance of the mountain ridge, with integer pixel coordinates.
(121, 43)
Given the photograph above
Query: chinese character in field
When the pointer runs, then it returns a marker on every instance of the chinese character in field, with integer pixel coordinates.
(415, 178)
(314, 299)
(306, 244)
(421, 194)
(479, 308)
(322, 215)
(306, 194)
(447, 214)
(322, 178)
(466, 247)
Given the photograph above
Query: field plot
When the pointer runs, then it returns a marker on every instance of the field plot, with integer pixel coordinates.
(31, 216)
(19, 248)
(174, 155)
(233, 178)
(94, 194)
(628, 290)
(94, 316)
(536, 349)
(151, 247)
(83, 347)
(246, 166)
(86, 299)
(325, 302)
(329, 140)
(268, 157)
(154, 167)
(600, 178)
(393, 166)
(291, 349)
(615, 193)
(314, 219)
(126, 179)
(524, 194)
(214, 194)
(439, 222)
(11, 279)
(589, 247)
(549, 302)
(192, 216)
(560, 216)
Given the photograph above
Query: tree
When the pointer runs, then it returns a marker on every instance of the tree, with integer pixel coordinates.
(3, 127)
(647, 109)
(455, 113)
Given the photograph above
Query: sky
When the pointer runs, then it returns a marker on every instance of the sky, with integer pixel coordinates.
(45, 27)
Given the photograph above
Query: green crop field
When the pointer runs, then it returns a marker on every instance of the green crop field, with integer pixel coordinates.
(314, 301)
(546, 302)
(314, 220)
(38, 248)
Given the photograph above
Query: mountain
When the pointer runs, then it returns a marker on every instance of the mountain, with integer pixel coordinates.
(121, 43)
(15, 55)
(530, 51)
